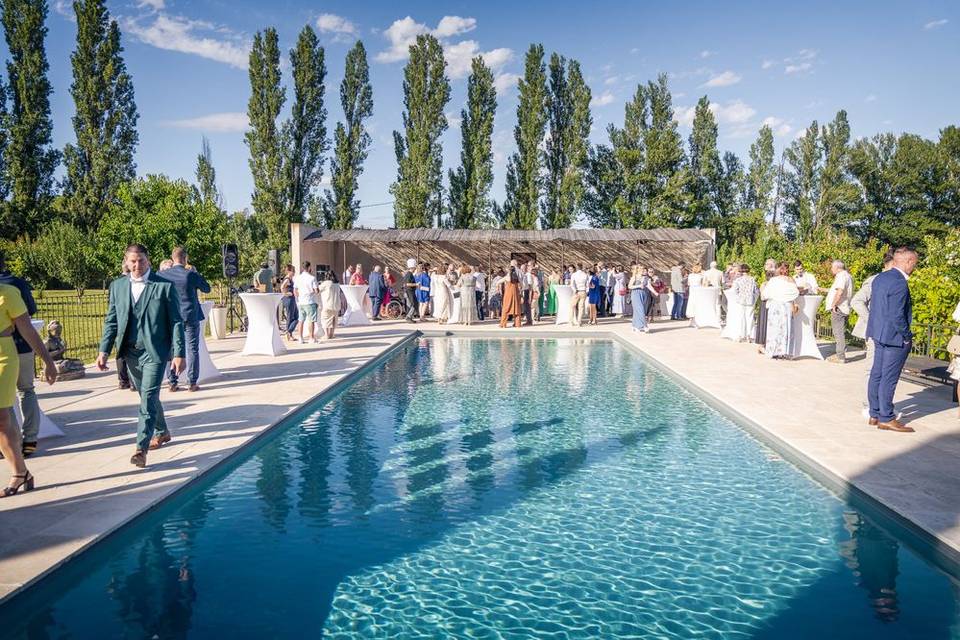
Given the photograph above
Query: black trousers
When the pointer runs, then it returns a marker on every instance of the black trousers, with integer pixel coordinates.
(480, 310)
(411, 307)
(123, 374)
(526, 308)
(602, 305)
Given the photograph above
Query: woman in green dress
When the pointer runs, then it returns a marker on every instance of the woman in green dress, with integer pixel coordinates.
(550, 295)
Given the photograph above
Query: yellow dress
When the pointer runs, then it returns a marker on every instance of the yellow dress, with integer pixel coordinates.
(11, 306)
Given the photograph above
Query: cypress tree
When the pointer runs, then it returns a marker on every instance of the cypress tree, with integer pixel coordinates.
(263, 139)
(351, 140)
(470, 183)
(665, 176)
(207, 177)
(105, 122)
(762, 172)
(31, 161)
(803, 183)
(531, 126)
(418, 191)
(305, 134)
(509, 214)
(630, 153)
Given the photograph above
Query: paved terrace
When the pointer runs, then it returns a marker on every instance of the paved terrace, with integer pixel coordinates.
(87, 488)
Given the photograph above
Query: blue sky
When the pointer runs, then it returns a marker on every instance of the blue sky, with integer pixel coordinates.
(891, 65)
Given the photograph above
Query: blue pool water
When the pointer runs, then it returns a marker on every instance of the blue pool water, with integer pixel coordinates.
(501, 488)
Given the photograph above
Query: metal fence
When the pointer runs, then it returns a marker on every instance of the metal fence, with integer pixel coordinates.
(82, 319)
(929, 340)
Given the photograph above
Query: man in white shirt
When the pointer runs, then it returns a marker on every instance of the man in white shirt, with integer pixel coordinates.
(838, 302)
(481, 279)
(804, 280)
(713, 277)
(579, 281)
(305, 289)
(347, 275)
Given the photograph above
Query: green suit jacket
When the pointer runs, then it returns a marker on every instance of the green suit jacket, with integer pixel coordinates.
(161, 326)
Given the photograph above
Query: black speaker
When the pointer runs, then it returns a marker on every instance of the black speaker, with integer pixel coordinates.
(231, 261)
(273, 261)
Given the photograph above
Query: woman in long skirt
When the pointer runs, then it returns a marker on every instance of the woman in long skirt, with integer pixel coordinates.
(639, 295)
(619, 281)
(770, 269)
(781, 294)
(511, 297)
(467, 284)
(440, 291)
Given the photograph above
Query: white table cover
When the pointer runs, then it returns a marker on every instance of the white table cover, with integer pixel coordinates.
(263, 333)
(740, 322)
(208, 370)
(564, 300)
(693, 295)
(705, 311)
(455, 305)
(803, 341)
(48, 428)
(355, 314)
(665, 304)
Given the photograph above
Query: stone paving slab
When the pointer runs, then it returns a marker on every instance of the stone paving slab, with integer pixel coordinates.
(87, 488)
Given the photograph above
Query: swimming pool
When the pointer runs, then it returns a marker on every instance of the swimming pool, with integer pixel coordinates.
(500, 488)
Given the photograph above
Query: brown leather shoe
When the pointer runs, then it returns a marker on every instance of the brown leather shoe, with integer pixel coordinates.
(139, 459)
(174, 387)
(895, 425)
(159, 440)
(194, 387)
(873, 422)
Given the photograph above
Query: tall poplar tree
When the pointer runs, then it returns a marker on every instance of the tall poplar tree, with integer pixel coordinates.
(762, 172)
(565, 156)
(705, 167)
(305, 133)
(418, 191)
(531, 126)
(508, 215)
(351, 141)
(665, 175)
(264, 137)
(31, 160)
(470, 205)
(629, 151)
(803, 183)
(839, 198)
(105, 122)
(206, 176)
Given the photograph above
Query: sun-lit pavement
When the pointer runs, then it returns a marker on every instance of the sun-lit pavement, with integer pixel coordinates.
(86, 486)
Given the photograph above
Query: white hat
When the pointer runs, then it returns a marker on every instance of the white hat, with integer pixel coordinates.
(411, 263)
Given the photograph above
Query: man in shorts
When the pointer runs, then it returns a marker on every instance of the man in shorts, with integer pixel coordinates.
(305, 289)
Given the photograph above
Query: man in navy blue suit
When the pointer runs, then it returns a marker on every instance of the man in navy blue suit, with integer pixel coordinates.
(377, 290)
(187, 282)
(891, 313)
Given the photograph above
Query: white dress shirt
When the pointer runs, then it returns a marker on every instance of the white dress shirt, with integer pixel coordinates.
(579, 280)
(138, 285)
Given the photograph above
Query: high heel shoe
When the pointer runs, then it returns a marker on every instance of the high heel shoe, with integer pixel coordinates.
(27, 485)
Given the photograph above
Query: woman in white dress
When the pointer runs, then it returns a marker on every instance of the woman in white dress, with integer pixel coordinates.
(453, 276)
(440, 290)
(694, 283)
(744, 292)
(467, 284)
(619, 283)
(780, 294)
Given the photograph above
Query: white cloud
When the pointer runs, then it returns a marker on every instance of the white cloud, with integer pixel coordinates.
(65, 8)
(337, 25)
(778, 126)
(611, 80)
(460, 56)
(450, 26)
(505, 81)
(935, 24)
(766, 64)
(870, 98)
(453, 119)
(602, 100)
(634, 51)
(725, 79)
(401, 34)
(706, 53)
(228, 122)
(797, 68)
(176, 33)
(735, 112)
(156, 5)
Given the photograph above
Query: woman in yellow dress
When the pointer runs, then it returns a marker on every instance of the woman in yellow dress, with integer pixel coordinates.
(13, 315)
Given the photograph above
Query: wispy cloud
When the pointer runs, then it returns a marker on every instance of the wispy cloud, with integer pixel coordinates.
(706, 53)
(735, 112)
(935, 24)
(612, 80)
(603, 99)
(403, 33)
(724, 79)
(779, 127)
(65, 9)
(227, 122)
(156, 5)
(799, 67)
(505, 81)
(336, 26)
(766, 64)
(870, 98)
(177, 33)
(801, 62)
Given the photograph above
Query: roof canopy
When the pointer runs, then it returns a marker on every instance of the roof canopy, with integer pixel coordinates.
(511, 235)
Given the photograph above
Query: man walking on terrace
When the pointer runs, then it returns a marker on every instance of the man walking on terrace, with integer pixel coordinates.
(889, 328)
(187, 283)
(145, 323)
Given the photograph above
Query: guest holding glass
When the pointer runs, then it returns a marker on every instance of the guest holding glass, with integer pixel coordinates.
(467, 285)
(289, 301)
(760, 335)
(641, 288)
(745, 291)
(594, 295)
(422, 276)
(781, 294)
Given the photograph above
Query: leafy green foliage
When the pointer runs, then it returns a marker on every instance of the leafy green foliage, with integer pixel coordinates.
(470, 206)
(524, 186)
(69, 255)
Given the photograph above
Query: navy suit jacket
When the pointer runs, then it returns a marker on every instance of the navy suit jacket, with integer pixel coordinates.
(187, 282)
(891, 310)
(377, 287)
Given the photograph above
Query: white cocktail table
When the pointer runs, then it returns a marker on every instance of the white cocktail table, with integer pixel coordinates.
(564, 300)
(208, 370)
(354, 315)
(48, 428)
(705, 313)
(803, 341)
(263, 333)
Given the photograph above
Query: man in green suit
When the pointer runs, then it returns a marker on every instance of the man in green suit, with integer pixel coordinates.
(145, 323)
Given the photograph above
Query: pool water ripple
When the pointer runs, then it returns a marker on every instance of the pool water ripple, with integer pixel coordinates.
(501, 489)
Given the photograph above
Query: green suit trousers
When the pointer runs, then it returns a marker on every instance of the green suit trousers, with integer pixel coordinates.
(147, 376)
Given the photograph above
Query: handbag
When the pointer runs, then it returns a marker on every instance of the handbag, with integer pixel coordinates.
(953, 347)
(622, 291)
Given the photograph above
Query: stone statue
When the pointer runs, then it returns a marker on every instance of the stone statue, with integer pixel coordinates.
(67, 368)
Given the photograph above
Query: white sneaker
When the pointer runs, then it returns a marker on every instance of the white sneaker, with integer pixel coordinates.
(302, 341)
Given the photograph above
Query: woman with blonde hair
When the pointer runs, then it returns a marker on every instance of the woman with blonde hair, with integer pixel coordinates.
(467, 285)
(641, 288)
(780, 295)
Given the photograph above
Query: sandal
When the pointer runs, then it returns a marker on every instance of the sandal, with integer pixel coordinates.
(28, 449)
(26, 484)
